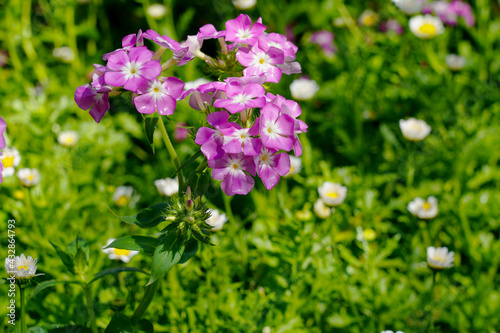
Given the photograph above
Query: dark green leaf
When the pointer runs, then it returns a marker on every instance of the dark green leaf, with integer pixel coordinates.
(150, 127)
(135, 243)
(188, 161)
(50, 283)
(167, 254)
(81, 262)
(189, 251)
(145, 326)
(78, 242)
(148, 218)
(115, 270)
(66, 258)
(119, 324)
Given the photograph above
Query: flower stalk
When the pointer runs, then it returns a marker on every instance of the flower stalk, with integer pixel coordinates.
(90, 309)
(172, 152)
(24, 327)
(149, 294)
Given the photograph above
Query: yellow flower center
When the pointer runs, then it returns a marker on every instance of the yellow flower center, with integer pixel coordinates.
(23, 267)
(156, 89)
(332, 195)
(291, 169)
(243, 136)
(427, 205)
(235, 166)
(439, 259)
(8, 161)
(132, 71)
(122, 201)
(31, 177)
(428, 29)
(370, 20)
(261, 61)
(264, 158)
(121, 252)
(69, 140)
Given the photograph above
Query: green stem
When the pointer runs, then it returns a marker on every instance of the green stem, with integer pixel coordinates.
(173, 154)
(90, 309)
(24, 327)
(431, 326)
(149, 294)
(227, 207)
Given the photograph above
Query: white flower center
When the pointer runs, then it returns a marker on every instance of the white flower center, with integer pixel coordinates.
(244, 34)
(241, 98)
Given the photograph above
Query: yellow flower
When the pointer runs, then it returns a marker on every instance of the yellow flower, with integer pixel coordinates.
(426, 27)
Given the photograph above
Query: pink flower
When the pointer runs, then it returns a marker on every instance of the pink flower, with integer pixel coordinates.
(160, 96)
(180, 52)
(94, 97)
(280, 42)
(235, 171)
(276, 128)
(241, 140)
(240, 30)
(208, 31)
(127, 42)
(391, 25)
(181, 133)
(324, 39)
(259, 62)
(132, 70)
(270, 166)
(242, 97)
(212, 139)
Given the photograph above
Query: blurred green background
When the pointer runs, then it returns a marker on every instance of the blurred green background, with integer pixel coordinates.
(275, 264)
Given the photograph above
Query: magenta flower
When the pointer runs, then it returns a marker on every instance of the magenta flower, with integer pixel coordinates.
(127, 42)
(208, 31)
(280, 42)
(180, 52)
(240, 30)
(242, 97)
(270, 166)
(212, 139)
(3, 126)
(94, 97)
(181, 133)
(241, 140)
(160, 96)
(234, 171)
(464, 10)
(260, 62)
(391, 25)
(132, 70)
(276, 128)
(300, 127)
(324, 39)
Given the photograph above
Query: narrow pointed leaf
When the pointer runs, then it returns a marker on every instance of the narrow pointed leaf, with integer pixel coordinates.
(146, 244)
(50, 283)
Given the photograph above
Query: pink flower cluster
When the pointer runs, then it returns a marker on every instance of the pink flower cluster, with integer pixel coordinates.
(324, 39)
(249, 130)
(3, 126)
(449, 12)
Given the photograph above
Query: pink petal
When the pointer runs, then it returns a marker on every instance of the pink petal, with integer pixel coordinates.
(174, 87)
(85, 96)
(140, 55)
(269, 176)
(145, 103)
(282, 163)
(117, 61)
(151, 69)
(165, 105)
(116, 79)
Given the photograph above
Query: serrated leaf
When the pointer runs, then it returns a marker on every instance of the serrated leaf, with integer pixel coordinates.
(167, 254)
(50, 283)
(150, 127)
(115, 270)
(148, 218)
(189, 251)
(66, 258)
(119, 324)
(146, 244)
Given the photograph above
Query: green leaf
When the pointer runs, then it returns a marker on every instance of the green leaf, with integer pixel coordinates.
(148, 218)
(150, 127)
(66, 258)
(50, 283)
(119, 324)
(115, 270)
(389, 136)
(189, 251)
(167, 254)
(76, 244)
(146, 244)
(145, 326)
(81, 262)
(188, 161)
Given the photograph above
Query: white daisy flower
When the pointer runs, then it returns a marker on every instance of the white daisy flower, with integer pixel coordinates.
(426, 27)
(68, 138)
(295, 166)
(157, 10)
(167, 186)
(303, 89)
(455, 62)
(124, 195)
(424, 209)
(28, 177)
(389, 331)
(118, 254)
(321, 210)
(439, 258)
(409, 7)
(332, 194)
(244, 4)
(10, 159)
(414, 129)
(368, 18)
(21, 268)
(216, 220)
